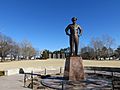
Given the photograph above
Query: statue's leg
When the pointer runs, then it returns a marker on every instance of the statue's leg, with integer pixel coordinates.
(71, 46)
(76, 44)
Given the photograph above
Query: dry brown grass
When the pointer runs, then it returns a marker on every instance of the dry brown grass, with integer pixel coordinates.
(54, 63)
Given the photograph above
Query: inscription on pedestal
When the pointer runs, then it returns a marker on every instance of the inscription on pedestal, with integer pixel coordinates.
(74, 69)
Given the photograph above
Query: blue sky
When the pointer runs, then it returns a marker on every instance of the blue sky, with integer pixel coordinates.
(42, 22)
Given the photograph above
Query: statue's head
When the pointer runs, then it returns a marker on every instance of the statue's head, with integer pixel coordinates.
(74, 19)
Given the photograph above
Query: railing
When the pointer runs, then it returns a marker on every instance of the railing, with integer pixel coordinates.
(31, 75)
(115, 79)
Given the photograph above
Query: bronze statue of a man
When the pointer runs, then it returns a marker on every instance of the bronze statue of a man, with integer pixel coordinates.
(75, 32)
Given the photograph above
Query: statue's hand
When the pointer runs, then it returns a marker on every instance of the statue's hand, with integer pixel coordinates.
(80, 34)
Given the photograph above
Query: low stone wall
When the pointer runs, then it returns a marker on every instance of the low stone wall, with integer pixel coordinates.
(41, 70)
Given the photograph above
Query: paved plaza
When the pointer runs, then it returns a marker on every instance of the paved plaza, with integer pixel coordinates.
(13, 82)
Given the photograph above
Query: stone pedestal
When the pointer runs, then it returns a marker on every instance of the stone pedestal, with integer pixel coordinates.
(74, 69)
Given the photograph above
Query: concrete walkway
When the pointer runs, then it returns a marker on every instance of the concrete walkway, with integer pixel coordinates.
(13, 82)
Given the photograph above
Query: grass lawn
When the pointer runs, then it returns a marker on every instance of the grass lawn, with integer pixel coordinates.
(54, 63)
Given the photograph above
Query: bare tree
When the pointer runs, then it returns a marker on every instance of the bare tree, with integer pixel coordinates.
(32, 52)
(87, 53)
(15, 51)
(117, 52)
(97, 44)
(27, 50)
(5, 46)
(104, 52)
(102, 46)
(108, 42)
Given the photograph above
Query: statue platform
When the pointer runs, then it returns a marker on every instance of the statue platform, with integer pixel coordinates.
(74, 70)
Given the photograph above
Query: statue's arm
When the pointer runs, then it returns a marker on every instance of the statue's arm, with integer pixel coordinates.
(66, 30)
(80, 29)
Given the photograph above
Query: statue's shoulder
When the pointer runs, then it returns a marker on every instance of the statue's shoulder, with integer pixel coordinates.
(69, 25)
(78, 25)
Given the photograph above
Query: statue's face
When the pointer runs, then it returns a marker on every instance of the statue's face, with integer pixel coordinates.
(74, 21)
